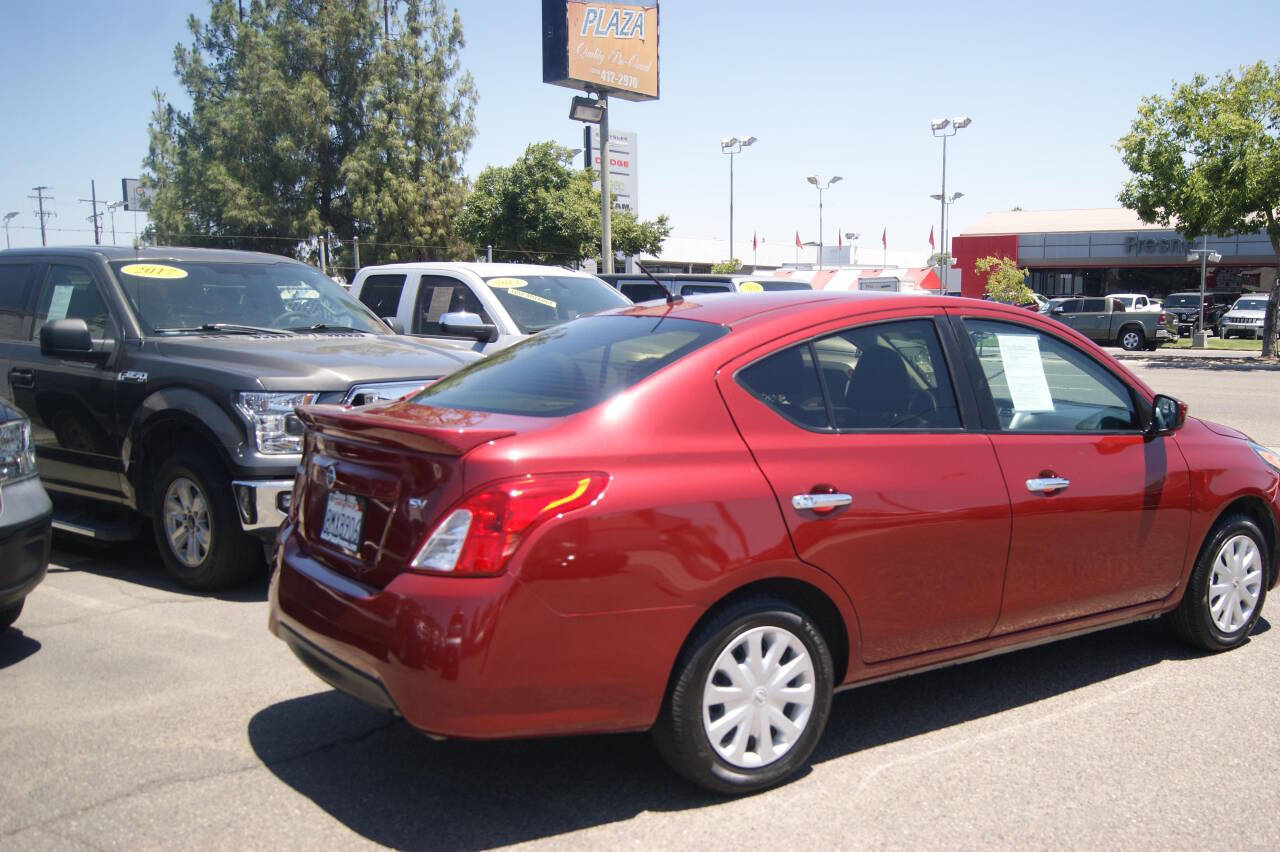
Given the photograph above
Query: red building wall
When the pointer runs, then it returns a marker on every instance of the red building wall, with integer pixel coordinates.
(969, 250)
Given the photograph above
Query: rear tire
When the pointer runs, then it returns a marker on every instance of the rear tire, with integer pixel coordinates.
(1132, 339)
(10, 613)
(1228, 586)
(197, 527)
(771, 665)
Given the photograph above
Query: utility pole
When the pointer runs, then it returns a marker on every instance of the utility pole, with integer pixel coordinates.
(40, 198)
(386, 19)
(92, 200)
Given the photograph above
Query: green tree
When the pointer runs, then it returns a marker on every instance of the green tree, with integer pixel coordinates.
(727, 267)
(540, 209)
(305, 118)
(1206, 160)
(1005, 281)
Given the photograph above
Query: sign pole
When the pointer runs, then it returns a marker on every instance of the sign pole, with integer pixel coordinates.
(606, 238)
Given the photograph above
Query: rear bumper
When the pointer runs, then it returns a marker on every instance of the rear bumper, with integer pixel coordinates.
(26, 532)
(476, 658)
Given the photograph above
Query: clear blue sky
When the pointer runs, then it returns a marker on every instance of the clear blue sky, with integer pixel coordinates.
(828, 87)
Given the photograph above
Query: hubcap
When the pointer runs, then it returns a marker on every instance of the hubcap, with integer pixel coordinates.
(186, 521)
(1131, 341)
(758, 696)
(1235, 583)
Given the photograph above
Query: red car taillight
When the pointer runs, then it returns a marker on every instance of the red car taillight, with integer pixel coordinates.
(481, 533)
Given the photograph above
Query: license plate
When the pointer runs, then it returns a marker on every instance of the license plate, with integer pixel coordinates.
(343, 521)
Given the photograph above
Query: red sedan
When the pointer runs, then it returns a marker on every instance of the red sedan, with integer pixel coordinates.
(703, 518)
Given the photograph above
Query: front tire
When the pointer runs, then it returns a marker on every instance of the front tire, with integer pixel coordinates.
(1224, 596)
(196, 525)
(749, 698)
(1132, 339)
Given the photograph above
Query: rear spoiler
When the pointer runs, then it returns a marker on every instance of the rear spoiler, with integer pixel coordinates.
(408, 426)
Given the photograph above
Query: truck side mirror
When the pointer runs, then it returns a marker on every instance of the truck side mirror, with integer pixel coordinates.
(70, 339)
(467, 324)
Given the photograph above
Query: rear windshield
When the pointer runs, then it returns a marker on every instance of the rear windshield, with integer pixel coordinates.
(774, 286)
(572, 367)
(1250, 305)
(538, 302)
(1183, 300)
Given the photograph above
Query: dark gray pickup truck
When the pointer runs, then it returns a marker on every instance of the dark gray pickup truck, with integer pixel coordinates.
(1105, 321)
(161, 384)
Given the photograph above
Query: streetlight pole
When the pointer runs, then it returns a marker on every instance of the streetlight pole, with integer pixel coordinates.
(1199, 339)
(111, 208)
(817, 182)
(944, 128)
(733, 145)
(7, 218)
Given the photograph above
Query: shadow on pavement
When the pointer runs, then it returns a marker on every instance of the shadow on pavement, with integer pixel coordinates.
(383, 780)
(15, 646)
(139, 563)
(1218, 365)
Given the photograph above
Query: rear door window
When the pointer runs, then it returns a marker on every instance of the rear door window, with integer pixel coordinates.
(643, 291)
(695, 289)
(15, 291)
(70, 293)
(1093, 306)
(439, 295)
(381, 294)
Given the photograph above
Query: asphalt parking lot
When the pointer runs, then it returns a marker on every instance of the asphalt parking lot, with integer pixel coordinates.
(136, 715)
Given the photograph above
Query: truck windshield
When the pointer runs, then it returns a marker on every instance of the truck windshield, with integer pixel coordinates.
(196, 295)
(1183, 300)
(537, 302)
(572, 367)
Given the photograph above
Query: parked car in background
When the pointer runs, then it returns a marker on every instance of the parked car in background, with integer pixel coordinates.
(1104, 320)
(488, 306)
(1136, 301)
(1244, 318)
(161, 384)
(639, 287)
(667, 519)
(25, 513)
(1186, 308)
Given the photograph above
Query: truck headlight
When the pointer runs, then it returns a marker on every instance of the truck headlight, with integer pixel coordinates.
(17, 453)
(276, 429)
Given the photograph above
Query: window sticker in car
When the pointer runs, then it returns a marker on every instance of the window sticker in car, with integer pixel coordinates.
(153, 270)
(1024, 372)
(532, 298)
(508, 283)
(751, 287)
(61, 300)
(441, 298)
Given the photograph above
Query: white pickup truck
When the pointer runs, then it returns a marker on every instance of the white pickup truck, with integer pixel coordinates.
(492, 304)
(1137, 302)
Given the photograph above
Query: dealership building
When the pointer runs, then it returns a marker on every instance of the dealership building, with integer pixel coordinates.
(1098, 251)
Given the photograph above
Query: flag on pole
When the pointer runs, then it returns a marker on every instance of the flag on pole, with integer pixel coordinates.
(884, 238)
(839, 239)
(930, 237)
(798, 243)
(753, 240)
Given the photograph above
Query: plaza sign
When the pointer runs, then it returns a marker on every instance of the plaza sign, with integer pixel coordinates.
(602, 46)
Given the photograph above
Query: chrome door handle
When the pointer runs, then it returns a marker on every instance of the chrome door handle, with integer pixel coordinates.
(1048, 483)
(820, 501)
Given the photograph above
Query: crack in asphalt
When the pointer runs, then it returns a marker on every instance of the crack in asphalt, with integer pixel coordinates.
(155, 784)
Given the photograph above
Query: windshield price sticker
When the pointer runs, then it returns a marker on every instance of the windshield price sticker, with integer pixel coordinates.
(153, 270)
(1024, 372)
(507, 282)
(750, 287)
(532, 298)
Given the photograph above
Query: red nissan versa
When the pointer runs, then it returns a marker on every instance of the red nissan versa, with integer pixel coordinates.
(704, 518)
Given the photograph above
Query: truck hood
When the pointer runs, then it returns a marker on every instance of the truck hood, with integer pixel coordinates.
(317, 362)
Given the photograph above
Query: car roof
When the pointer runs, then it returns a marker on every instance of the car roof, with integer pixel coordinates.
(484, 270)
(179, 253)
(734, 308)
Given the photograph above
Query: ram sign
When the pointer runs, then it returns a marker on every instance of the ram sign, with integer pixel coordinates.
(601, 46)
(136, 196)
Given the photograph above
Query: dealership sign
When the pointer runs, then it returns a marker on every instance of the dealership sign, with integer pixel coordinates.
(624, 181)
(136, 196)
(1136, 245)
(600, 46)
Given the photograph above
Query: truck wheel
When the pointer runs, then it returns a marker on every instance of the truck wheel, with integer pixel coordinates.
(1132, 339)
(196, 526)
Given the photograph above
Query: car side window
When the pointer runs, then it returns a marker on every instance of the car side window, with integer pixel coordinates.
(787, 382)
(15, 290)
(381, 294)
(643, 291)
(888, 376)
(695, 289)
(70, 293)
(1039, 383)
(1093, 306)
(439, 295)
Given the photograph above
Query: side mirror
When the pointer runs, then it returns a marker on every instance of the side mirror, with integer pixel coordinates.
(1059, 310)
(1167, 415)
(394, 324)
(466, 324)
(70, 339)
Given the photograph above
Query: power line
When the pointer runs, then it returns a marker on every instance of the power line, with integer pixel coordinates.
(39, 198)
